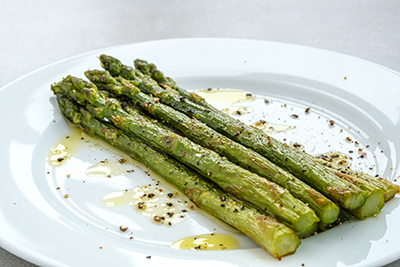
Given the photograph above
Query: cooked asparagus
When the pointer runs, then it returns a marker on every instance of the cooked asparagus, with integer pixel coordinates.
(200, 133)
(390, 189)
(152, 71)
(343, 192)
(245, 185)
(276, 238)
(375, 199)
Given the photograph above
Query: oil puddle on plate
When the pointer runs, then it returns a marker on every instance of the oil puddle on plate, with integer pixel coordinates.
(227, 100)
(213, 241)
(162, 206)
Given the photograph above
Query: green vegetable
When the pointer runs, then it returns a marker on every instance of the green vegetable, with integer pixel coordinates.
(151, 70)
(344, 193)
(390, 189)
(245, 185)
(200, 133)
(159, 77)
(375, 199)
(276, 238)
(374, 196)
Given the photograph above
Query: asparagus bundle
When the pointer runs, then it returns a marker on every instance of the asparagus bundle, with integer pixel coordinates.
(300, 165)
(245, 185)
(276, 238)
(376, 192)
(191, 115)
(375, 188)
(200, 133)
(390, 189)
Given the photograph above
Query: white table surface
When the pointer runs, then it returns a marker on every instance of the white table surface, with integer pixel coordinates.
(34, 34)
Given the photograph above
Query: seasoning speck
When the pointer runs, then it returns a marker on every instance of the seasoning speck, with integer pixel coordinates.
(122, 161)
(123, 228)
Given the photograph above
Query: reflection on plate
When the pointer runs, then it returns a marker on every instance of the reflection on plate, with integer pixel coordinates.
(55, 215)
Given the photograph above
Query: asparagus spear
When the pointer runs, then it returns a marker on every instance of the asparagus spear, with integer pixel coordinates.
(343, 192)
(200, 133)
(275, 237)
(245, 185)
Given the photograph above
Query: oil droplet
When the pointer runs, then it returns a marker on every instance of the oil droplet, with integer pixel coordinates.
(108, 168)
(225, 95)
(271, 128)
(207, 242)
(99, 169)
(161, 205)
(60, 153)
(237, 110)
(225, 99)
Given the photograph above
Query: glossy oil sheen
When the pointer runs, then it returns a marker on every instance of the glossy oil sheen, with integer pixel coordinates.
(207, 242)
(227, 99)
(160, 205)
(64, 148)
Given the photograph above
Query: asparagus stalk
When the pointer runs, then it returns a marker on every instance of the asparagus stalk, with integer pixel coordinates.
(200, 133)
(245, 185)
(343, 192)
(275, 237)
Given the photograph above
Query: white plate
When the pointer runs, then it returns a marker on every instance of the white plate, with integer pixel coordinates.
(41, 226)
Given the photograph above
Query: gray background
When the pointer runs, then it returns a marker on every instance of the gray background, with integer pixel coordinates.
(34, 34)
